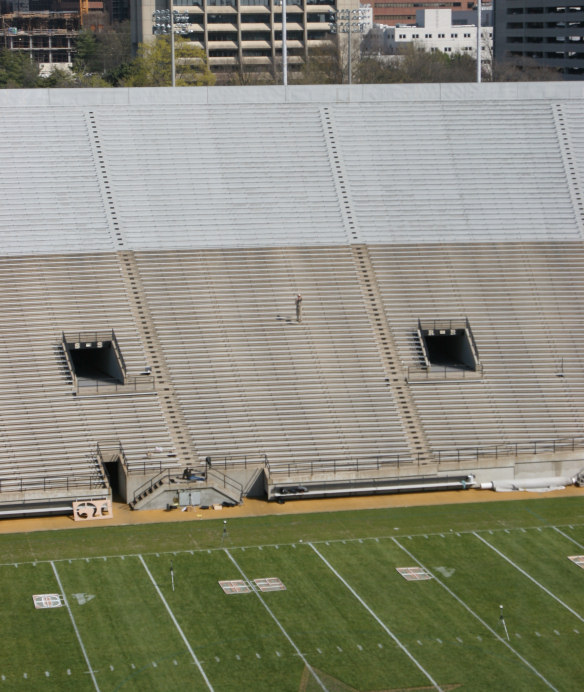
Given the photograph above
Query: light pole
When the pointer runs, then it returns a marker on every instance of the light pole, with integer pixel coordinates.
(170, 22)
(284, 4)
(479, 32)
(351, 21)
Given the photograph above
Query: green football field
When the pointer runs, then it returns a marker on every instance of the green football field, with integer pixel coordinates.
(142, 607)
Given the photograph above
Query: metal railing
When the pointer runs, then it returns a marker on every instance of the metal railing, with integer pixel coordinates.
(219, 479)
(511, 449)
(238, 461)
(156, 480)
(21, 485)
(393, 462)
(419, 373)
(132, 384)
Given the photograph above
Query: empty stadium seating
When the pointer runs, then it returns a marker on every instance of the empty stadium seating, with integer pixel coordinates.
(187, 221)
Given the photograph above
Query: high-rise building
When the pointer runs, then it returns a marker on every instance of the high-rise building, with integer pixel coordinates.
(551, 32)
(245, 34)
(394, 12)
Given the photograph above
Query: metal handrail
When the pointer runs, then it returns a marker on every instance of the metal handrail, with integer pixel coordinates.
(50, 483)
(69, 360)
(235, 460)
(135, 383)
(213, 474)
(515, 449)
(149, 484)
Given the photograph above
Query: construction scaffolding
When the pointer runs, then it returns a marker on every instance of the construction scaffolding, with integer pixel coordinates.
(48, 37)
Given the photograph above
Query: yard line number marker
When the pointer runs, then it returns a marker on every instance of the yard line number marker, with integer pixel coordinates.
(178, 627)
(281, 627)
(379, 621)
(526, 574)
(479, 618)
(75, 627)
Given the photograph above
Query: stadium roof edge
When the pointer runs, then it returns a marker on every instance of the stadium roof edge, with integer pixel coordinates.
(293, 94)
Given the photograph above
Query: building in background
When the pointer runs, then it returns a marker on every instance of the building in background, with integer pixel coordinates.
(435, 30)
(246, 35)
(47, 30)
(549, 32)
(392, 12)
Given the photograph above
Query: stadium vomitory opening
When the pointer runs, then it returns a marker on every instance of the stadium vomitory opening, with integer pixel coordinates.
(214, 293)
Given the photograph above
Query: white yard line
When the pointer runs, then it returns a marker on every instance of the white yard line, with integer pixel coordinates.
(477, 617)
(75, 627)
(565, 535)
(281, 627)
(526, 574)
(379, 621)
(178, 627)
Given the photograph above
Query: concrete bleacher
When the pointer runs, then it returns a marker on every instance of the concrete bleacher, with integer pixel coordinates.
(49, 433)
(249, 378)
(187, 220)
(525, 304)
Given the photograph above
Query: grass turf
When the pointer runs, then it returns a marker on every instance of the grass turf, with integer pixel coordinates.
(347, 620)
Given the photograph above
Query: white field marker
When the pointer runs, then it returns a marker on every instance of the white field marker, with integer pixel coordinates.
(280, 626)
(175, 621)
(379, 621)
(526, 574)
(479, 618)
(565, 535)
(75, 627)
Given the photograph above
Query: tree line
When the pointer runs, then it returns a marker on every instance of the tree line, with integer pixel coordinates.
(105, 59)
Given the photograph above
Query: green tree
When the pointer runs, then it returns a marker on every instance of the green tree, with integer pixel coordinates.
(152, 66)
(65, 79)
(324, 65)
(17, 70)
(86, 52)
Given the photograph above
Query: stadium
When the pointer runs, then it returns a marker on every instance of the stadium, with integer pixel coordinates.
(280, 294)
(155, 243)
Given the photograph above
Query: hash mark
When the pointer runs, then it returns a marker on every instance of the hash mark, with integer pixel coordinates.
(257, 655)
(556, 632)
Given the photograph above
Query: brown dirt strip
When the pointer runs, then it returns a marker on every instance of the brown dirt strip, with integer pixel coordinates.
(123, 515)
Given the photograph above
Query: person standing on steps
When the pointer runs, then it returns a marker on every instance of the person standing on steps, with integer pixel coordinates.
(299, 308)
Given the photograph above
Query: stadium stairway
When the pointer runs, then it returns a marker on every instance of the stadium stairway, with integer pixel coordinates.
(155, 357)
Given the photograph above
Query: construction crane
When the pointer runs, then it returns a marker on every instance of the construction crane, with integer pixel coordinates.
(83, 9)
